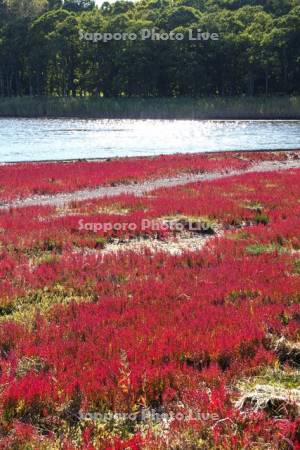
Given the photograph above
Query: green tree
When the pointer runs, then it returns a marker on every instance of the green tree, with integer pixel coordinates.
(79, 5)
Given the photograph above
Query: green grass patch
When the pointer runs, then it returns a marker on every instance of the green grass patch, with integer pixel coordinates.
(100, 242)
(254, 206)
(259, 249)
(238, 236)
(297, 267)
(24, 309)
(261, 219)
(242, 295)
(287, 379)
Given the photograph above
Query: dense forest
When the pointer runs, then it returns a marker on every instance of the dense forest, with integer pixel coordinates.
(41, 52)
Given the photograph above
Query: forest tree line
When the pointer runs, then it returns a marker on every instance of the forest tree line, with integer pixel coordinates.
(257, 53)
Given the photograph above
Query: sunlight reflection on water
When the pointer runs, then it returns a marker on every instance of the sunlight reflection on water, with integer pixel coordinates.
(48, 139)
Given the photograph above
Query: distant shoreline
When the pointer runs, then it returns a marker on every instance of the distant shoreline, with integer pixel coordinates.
(116, 158)
(209, 108)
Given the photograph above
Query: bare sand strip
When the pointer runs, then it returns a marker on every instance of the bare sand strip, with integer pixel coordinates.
(140, 189)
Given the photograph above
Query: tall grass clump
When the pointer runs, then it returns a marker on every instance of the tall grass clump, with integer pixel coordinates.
(153, 108)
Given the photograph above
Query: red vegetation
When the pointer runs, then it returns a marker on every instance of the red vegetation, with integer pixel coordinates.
(25, 179)
(148, 330)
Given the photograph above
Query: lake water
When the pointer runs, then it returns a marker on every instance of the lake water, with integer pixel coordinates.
(50, 139)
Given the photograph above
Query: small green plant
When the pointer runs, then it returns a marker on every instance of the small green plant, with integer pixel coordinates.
(242, 295)
(259, 249)
(100, 242)
(297, 267)
(255, 206)
(50, 245)
(240, 235)
(261, 219)
(48, 258)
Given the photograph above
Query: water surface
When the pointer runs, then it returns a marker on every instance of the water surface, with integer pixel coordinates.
(50, 139)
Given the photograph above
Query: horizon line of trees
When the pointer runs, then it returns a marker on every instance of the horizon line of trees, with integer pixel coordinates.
(257, 53)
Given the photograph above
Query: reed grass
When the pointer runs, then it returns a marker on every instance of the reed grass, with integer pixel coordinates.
(153, 108)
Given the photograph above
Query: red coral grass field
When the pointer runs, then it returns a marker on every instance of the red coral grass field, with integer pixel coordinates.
(25, 179)
(148, 349)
